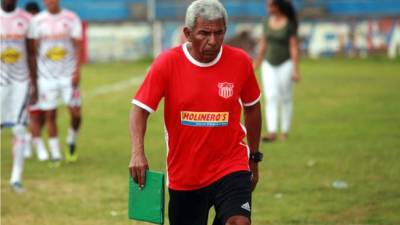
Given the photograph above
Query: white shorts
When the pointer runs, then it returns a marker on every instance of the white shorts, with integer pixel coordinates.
(14, 99)
(51, 90)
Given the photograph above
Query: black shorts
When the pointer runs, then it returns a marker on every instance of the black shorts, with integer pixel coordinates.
(230, 196)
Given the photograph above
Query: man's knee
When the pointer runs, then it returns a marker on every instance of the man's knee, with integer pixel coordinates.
(50, 115)
(19, 131)
(238, 220)
(75, 112)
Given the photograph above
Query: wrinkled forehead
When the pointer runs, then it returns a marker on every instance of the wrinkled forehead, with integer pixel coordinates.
(215, 24)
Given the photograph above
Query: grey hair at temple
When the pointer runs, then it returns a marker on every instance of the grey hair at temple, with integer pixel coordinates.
(206, 9)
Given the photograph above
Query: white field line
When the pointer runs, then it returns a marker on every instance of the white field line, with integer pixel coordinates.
(114, 87)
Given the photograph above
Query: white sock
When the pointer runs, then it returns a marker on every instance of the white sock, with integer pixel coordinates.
(54, 148)
(28, 147)
(18, 150)
(40, 148)
(71, 137)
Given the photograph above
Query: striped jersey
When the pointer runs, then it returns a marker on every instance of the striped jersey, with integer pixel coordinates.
(13, 31)
(55, 32)
(202, 113)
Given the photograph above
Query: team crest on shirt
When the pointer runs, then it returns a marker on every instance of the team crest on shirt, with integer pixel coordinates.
(19, 25)
(225, 89)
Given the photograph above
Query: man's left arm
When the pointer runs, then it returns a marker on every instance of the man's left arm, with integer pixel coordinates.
(252, 117)
(31, 46)
(78, 56)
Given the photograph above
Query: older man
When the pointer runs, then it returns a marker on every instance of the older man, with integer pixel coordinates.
(205, 85)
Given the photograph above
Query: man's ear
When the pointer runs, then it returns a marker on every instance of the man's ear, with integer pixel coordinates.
(187, 32)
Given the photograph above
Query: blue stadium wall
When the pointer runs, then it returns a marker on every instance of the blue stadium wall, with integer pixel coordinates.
(350, 26)
(122, 10)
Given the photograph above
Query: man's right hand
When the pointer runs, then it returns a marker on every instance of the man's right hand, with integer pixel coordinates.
(137, 168)
(33, 95)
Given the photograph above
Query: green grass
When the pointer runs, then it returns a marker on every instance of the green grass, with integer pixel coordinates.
(346, 120)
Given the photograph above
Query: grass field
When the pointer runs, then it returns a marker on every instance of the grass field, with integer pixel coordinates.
(346, 127)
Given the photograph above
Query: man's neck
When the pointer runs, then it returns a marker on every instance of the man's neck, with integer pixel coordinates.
(196, 56)
(55, 11)
(192, 53)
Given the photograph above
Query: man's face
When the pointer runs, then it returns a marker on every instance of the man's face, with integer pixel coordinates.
(8, 5)
(206, 38)
(52, 5)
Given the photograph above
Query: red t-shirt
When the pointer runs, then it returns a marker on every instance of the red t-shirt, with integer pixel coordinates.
(203, 103)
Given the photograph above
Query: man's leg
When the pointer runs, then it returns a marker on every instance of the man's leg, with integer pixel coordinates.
(18, 147)
(72, 98)
(233, 199)
(17, 113)
(270, 87)
(48, 97)
(75, 115)
(188, 207)
(238, 220)
(51, 116)
(286, 88)
(28, 147)
(37, 119)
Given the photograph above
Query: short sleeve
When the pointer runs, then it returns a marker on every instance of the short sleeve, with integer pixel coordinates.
(152, 89)
(33, 29)
(76, 29)
(250, 93)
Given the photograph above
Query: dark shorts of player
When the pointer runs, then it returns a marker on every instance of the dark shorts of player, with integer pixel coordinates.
(230, 196)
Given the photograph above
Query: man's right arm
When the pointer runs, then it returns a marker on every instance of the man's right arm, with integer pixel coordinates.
(137, 129)
(31, 46)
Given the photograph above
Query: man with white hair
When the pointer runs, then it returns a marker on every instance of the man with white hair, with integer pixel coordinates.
(205, 85)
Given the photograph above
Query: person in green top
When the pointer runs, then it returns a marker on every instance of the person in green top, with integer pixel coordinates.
(278, 57)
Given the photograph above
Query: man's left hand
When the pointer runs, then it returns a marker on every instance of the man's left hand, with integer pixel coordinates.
(76, 79)
(33, 95)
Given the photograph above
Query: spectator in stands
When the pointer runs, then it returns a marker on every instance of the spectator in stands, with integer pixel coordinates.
(278, 57)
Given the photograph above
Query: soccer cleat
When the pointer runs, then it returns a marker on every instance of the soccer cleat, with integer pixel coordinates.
(73, 158)
(42, 155)
(71, 155)
(17, 187)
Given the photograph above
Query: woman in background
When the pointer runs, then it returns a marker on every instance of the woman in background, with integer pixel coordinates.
(278, 57)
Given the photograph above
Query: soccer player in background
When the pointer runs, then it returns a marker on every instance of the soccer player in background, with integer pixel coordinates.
(32, 8)
(206, 85)
(15, 79)
(56, 35)
(35, 115)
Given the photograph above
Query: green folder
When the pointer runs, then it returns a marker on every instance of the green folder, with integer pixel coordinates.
(147, 204)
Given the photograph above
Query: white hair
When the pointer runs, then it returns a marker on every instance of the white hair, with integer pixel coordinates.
(206, 9)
